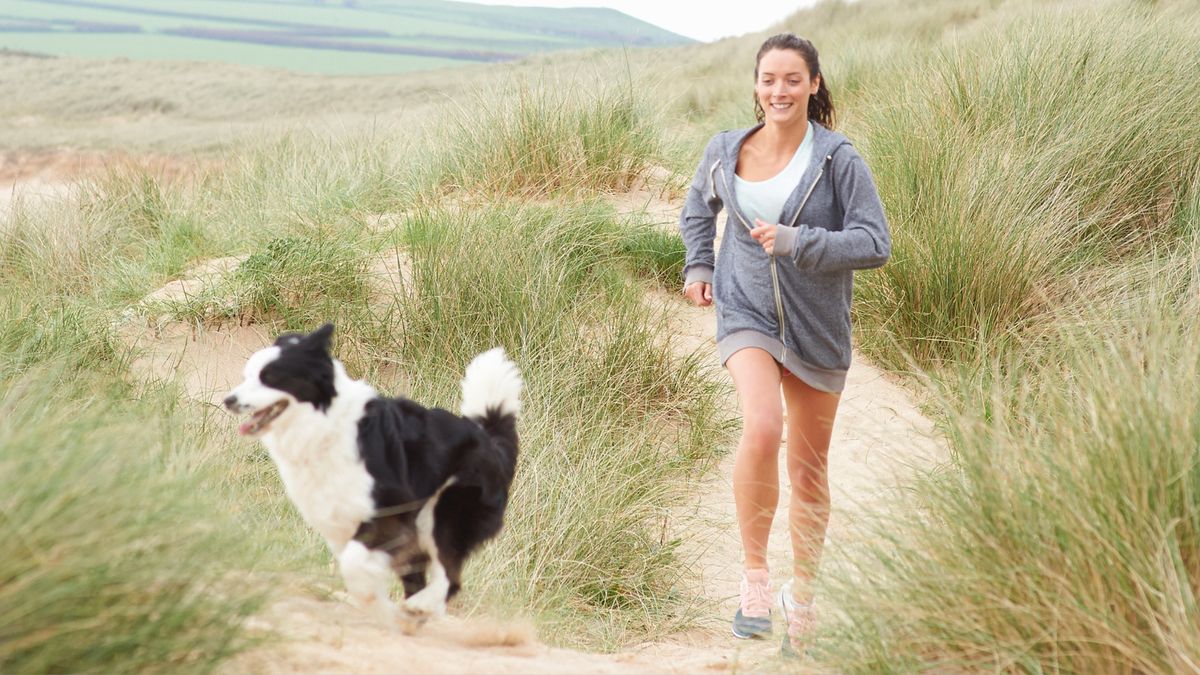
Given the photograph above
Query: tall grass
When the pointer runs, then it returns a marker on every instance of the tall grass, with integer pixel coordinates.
(548, 139)
(1066, 536)
(1018, 163)
(118, 556)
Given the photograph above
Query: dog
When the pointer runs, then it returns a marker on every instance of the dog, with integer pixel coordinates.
(392, 486)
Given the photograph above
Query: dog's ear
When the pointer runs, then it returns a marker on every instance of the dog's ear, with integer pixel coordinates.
(319, 338)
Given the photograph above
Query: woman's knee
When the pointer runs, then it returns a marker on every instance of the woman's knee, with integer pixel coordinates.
(763, 430)
(808, 471)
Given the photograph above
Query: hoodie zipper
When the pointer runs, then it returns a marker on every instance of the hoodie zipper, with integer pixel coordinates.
(774, 267)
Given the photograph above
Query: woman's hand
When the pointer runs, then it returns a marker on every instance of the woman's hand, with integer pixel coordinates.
(699, 292)
(764, 234)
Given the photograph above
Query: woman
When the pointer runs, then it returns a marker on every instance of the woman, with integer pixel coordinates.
(803, 215)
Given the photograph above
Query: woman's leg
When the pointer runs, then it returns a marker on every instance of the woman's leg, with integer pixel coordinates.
(756, 464)
(809, 429)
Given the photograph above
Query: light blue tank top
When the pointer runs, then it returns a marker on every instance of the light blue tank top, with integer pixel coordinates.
(765, 198)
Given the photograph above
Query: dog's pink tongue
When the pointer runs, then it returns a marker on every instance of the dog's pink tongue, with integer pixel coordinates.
(244, 427)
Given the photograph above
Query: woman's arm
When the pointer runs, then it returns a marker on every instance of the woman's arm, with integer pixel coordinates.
(698, 220)
(863, 242)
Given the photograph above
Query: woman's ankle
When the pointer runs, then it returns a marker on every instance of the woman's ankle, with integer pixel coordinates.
(757, 575)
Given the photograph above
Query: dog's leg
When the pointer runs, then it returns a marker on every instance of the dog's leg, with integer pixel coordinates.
(367, 575)
(431, 600)
(453, 564)
(413, 583)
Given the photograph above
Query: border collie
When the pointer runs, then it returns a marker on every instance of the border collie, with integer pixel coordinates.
(391, 485)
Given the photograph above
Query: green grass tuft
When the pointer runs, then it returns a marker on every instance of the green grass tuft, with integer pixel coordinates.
(117, 559)
(549, 140)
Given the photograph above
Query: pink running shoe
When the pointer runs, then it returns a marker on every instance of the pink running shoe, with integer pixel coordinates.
(801, 623)
(753, 617)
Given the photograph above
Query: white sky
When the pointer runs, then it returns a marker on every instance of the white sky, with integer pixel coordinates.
(687, 17)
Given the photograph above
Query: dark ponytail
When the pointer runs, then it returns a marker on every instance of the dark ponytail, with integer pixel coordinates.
(820, 104)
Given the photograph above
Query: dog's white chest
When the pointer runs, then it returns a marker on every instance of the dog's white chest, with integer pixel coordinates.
(325, 478)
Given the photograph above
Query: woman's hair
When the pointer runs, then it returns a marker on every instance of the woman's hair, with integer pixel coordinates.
(820, 105)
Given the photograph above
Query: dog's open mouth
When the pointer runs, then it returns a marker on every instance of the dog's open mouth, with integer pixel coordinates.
(262, 419)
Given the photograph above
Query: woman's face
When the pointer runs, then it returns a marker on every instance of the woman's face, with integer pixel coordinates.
(784, 86)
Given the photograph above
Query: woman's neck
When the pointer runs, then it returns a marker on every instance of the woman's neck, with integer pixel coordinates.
(787, 138)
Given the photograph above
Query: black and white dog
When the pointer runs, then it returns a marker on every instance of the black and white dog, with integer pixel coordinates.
(391, 485)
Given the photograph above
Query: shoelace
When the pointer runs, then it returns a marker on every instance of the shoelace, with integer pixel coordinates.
(756, 598)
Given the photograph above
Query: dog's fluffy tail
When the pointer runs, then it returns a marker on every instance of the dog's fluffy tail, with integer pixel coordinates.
(491, 386)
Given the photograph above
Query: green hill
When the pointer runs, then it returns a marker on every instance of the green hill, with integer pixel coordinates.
(336, 37)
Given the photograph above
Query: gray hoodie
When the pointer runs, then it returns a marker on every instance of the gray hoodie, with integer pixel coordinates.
(795, 304)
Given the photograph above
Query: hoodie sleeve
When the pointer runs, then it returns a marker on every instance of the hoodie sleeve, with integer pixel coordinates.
(698, 219)
(862, 243)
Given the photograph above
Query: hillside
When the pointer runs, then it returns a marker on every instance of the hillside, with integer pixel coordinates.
(360, 36)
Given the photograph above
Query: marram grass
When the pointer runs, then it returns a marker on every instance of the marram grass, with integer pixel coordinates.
(1016, 164)
(1064, 537)
(117, 559)
(547, 140)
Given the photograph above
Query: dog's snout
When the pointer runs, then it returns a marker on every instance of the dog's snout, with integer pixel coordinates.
(231, 401)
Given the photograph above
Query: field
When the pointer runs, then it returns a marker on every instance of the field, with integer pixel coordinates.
(1042, 184)
(377, 36)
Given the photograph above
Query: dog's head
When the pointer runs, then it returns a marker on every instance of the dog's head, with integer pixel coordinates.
(297, 370)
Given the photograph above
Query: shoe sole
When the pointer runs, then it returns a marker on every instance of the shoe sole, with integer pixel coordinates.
(749, 636)
(766, 632)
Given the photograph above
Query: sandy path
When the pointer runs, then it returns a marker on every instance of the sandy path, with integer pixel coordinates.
(878, 436)
(335, 637)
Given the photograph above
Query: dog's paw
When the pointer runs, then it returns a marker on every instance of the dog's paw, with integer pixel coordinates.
(409, 624)
(425, 605)
(410, 619)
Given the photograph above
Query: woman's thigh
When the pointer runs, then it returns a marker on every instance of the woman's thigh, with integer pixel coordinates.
(810, 414)
(756, 377)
